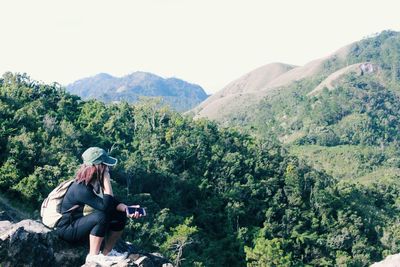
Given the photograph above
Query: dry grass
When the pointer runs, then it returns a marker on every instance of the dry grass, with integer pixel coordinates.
(255, 85)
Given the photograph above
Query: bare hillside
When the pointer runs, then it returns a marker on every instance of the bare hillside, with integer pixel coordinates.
(253, 86)
(250, 82)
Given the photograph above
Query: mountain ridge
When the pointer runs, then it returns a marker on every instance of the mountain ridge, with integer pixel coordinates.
(177, 93)
(250, 96)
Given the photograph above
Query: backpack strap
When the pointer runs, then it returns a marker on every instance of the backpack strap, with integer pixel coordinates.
(71, 209)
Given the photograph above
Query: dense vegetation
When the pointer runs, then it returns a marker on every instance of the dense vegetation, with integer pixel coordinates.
(218, 196)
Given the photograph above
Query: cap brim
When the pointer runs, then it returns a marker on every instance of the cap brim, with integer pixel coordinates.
(109, 161)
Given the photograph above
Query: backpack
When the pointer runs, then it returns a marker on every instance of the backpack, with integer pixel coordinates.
(50, 210)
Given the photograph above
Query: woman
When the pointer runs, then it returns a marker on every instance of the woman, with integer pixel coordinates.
(92, 189)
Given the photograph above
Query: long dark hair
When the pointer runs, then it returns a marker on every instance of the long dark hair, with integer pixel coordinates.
(91, 173)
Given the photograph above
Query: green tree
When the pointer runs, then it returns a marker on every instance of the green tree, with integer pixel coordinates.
(181, 237)
(267, 253)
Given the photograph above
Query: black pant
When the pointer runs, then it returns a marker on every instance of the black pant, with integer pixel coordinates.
(97, 223)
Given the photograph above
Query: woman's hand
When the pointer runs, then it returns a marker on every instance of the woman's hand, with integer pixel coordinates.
(124, 208)
(136, 214)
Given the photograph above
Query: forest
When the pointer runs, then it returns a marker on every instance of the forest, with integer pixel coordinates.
(216, 196)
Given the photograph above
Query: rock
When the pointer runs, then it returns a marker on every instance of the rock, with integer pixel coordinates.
(30, 243)
(4, 226)
(367, 68)
(389, 261)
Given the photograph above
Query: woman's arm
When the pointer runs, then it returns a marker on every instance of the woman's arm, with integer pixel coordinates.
(107, 183)
(121, 207)
(108, 191)
(83, 194)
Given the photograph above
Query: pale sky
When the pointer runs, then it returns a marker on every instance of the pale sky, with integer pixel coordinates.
(207, 42)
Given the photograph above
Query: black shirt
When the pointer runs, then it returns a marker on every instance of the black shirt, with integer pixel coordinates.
(81, 194)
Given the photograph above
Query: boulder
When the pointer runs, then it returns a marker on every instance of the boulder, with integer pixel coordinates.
(30, 243)
(389, 261)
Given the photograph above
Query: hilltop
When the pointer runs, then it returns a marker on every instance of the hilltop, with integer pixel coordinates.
(343, 106)
(252, 87)
(241, 91)
(179, 94)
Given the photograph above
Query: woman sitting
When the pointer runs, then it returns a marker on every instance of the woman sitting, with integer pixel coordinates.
(92, 189)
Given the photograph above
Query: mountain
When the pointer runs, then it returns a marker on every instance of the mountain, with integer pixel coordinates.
(177, 93)
(236, 93)
(249, 89)
(340, 113)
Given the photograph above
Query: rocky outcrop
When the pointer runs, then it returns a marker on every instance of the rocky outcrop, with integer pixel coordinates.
(389, 261)
(336, 78)
(30, 243)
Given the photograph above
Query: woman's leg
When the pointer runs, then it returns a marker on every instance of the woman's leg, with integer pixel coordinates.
(95, 244)
(112, 238)
(116, 227)
(93, 225)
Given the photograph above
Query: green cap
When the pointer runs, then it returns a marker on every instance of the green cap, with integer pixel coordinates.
(97, 155)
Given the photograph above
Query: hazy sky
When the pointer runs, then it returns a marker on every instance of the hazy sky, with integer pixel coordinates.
(208, 42)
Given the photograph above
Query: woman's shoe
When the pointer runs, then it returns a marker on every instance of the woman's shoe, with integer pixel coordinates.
(117, 255)
(100, 259)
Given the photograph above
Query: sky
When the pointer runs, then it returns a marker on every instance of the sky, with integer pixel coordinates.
(207, 42)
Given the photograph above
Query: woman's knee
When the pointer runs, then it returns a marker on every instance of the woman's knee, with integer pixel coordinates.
(101, 223)
(118, 221)
(122, 217)
(100, 216)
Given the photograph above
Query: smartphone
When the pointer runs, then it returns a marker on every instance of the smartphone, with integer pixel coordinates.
(132, 210)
